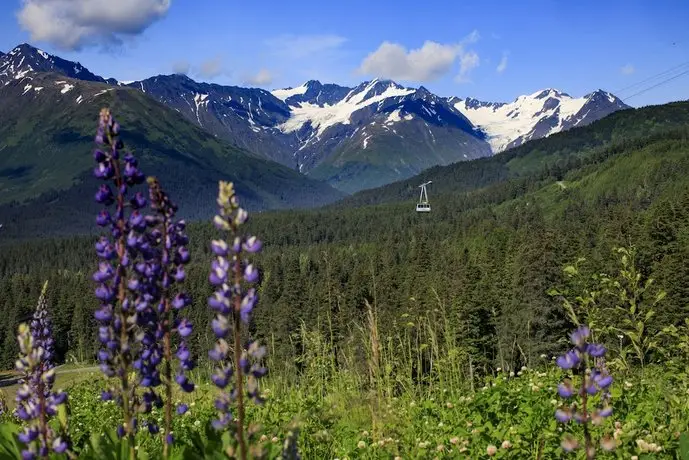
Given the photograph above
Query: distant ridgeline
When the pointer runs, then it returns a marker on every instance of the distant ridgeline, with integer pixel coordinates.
(499, 235)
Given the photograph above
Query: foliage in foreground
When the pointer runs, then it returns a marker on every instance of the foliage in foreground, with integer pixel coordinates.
(512, 412)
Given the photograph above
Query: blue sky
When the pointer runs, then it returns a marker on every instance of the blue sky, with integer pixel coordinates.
(451, 47)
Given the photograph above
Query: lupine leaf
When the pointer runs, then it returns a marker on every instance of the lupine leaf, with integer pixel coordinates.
(10, 449)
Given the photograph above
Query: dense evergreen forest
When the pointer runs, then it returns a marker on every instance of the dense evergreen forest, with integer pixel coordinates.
(487, 257)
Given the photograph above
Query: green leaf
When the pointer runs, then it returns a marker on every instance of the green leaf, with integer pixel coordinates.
(684, 446)
(110, 447)
(10, 448)
(661, 295)
(62, 415)
(570, 270)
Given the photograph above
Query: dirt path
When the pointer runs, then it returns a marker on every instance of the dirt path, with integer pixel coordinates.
(13, 380)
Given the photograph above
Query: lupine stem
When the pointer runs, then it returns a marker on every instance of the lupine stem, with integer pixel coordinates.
(122, 295)
(167, 349)
(168, 387)
(590, 453)
(237, 269)
(42, 422)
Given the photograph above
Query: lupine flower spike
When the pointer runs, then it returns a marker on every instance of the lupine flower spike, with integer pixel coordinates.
(588, 359)
(36, 401)
(233, 302)
(122, 295)
(170, 236)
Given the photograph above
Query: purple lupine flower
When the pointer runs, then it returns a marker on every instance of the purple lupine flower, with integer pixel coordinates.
(233, 302)
(587, 359)
(565, 389)
(136, 278)
(36, 400)
(120, 289)
(563, 415)
(568, 360)
(170, 240)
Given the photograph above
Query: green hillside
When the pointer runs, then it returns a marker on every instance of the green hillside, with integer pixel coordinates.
(46, 139)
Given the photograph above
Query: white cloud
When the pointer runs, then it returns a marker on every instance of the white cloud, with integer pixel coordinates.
(72, 24)
(181, 67)
(467, 62)
(262, 78)
(473, 37)
(210, 68)
(628, 69)
(503, 63)
(430, 62)
(301, 46)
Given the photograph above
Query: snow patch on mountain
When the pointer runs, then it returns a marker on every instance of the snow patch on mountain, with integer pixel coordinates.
(393, 117)
(323, 117)
(506, 123)
(66, 86)
(201, 100)
(26, 59)
(286, 93)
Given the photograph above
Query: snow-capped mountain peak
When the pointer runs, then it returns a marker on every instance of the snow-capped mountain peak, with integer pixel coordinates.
(535, 115)
(321, 117)
(25, 59)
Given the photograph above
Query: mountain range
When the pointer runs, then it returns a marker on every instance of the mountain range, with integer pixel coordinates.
(352, 138)
(375, 133)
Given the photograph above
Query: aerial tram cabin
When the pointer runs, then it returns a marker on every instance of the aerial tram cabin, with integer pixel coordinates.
(423, 204)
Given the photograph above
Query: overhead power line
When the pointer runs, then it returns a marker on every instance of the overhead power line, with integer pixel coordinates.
(653, 77)
(657, 84)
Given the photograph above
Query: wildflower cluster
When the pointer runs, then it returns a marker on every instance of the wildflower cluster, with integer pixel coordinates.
(136, 278)
(141, 264)
(233, 302)
(36, 401)
(122, 284)
(586, 359)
